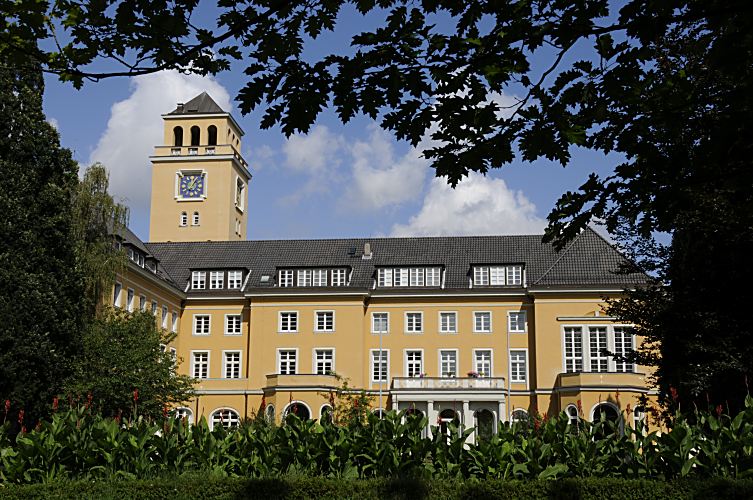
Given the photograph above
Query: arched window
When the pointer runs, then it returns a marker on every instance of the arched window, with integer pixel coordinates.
(270, 414)
(178, 136)
(225, 417)
(212, 135)
(325, 414)
(572, 414)
(297, 408)
(379, 413)
(183, 219)
(639, 420)
(183, 413)
(520, 416)
(195, 135)
(609, 413)
(446, 417)
(484, 424)
(195, 221)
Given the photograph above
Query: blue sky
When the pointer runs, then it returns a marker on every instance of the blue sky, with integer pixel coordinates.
(337, 181)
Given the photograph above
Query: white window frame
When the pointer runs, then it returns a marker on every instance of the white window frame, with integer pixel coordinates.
(304, 277)
(240, 193)
(626, 332)
(478, 314)
(294, 350)
(229, 422)
(183, 221)
(510, 315)
(142, 303)
(225, 364)
(400, 276)
(373, 323)
(480, 275)
(155, 308)
(339, 277)
(234, 279)
(286, 278)
(280, 322)
(316, 321)
(198, 320)
(240, 324)
(475, 365)
(318, 277)
(385, 359)
(442, 329)
(408, 323)
(193, 363)
(595, 356)
(440, 363)
(586, 359)
(315, 359)
(164, 317)
(195, 218)
(174, 325)
(514, 378)
(117, 293)
(198, 280)
(406, 362)
(433, 276)
(130, 294)
(384, 277)
(216, 280)
(417, 277)
(512, 277)
(497, 276)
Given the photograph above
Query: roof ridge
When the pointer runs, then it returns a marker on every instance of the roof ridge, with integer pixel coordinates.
(561, 256)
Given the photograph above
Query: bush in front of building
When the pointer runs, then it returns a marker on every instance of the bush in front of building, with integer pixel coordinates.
(78, 444)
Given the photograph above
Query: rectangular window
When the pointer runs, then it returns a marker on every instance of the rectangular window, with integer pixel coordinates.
(414, 322)
(482, 322)
(142, 303)
(154, 307)
(232, 364)
(287, 361)
(380, 322)
(384, 277)
(198, 280)
(482, 362)
(324, 361)
(597, 338)
(573, 349)
(448, 322)
(234, 279)
(175, 322)
(497, 275)
(164, 317)
(623, 345)
(216, 280)
(116, 294)
(304, 277)
(514, 275)
(325, 321)
(416, 276)
(433, 276)
(516, 321)
(518, 367)
(400, 277)
(233, 324)
(339, 277)
(286, 277)
(319, 277)
(414, 364)
(380, 365)
(201, 324)
(129, 300)
(448, 363)
(289, 321)
(200, 364)
(480, 276)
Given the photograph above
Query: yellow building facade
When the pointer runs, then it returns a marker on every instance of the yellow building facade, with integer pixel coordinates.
(472, 329)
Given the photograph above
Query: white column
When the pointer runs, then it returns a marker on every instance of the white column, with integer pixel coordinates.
(467, 417)
(501, 415)
(430, 416)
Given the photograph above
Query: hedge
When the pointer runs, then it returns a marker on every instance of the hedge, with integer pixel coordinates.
(200, 487)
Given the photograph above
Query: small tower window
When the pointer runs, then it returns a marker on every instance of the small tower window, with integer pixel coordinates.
(178, 136)
(196, 218)
(212, 135)
(195, 135)
(183, 219)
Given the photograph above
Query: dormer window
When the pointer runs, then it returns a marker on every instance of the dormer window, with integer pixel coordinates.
(234, 280)
(199, 280)
(498, 275)
(312, 277)
(216, 280)
(409, 277)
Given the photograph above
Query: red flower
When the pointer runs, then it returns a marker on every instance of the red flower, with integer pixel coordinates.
(55, 403)
(673, 393)
(164, 412)
(135, 395)
(718, 410)
(580, 407)
(21, 416)
(7, 405)
(89, 398)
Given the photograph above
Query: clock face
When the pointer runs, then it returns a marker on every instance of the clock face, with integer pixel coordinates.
(191, 186)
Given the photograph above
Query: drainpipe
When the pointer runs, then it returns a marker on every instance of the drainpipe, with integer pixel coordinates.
(507, 381)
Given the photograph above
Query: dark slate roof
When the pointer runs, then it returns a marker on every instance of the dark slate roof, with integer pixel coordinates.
(588, 260)
(128, 237)
(201, 104)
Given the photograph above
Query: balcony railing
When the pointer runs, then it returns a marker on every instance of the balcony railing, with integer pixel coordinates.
(448, 383)
(219, 149)
(590, 379)
(301, 379)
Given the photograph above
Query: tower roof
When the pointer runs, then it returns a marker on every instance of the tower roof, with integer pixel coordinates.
(201, 104)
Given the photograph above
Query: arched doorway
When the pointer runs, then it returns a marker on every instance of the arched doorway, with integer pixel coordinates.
(484, 424)
(446, 417)
(212, 135)
(178, 136)
(297, 408)
(195, 135)
(225, 417)
(608, 413)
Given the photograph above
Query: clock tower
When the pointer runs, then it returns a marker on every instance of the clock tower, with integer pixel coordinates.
(199, 178)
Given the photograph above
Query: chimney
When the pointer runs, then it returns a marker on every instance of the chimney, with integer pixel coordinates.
(180, 107)
(367, 251)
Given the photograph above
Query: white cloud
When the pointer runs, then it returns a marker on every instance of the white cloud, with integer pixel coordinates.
(379, 178)
(314, 152)
(478, 206)
(135, 127)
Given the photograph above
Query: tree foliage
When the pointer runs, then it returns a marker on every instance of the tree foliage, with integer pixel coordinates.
(126, 368)
(41, 285)
(663, 85)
